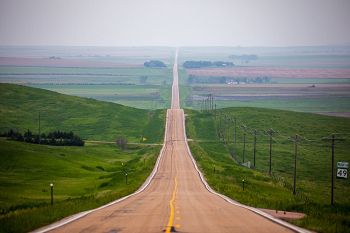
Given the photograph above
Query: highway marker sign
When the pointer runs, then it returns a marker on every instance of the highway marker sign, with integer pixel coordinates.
(342, 170)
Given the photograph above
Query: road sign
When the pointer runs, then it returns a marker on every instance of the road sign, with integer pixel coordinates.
(342, 170)
(342, 173)
(342, 165)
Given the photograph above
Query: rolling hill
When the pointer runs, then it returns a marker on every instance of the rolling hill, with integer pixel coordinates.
(91, 119)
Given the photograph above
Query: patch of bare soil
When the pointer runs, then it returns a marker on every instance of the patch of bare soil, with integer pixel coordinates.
(284, 215)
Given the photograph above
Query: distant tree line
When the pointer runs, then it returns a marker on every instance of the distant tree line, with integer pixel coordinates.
(154, 64)
(55, 138)
(206, 64)
(192, 79)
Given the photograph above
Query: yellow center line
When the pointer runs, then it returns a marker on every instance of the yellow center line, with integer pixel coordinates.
(172, 209)
(171, 202)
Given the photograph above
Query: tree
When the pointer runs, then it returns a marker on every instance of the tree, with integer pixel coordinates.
(154, 64)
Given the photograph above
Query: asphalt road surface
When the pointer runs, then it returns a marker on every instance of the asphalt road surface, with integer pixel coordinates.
(176, 199)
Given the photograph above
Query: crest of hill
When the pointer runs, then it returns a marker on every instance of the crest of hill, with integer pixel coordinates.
(89, 118)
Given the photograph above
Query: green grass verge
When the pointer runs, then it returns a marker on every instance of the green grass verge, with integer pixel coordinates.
(84, 178)
(91, 119)
(220, 163)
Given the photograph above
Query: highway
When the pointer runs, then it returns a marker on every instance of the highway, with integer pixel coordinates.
(175, 199)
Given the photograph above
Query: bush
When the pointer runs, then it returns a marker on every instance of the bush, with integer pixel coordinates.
(56, 138)
(154, 64)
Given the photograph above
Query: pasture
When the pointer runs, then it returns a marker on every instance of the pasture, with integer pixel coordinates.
(221, 161)
(110, 74)
(89, 118)
(83, 177)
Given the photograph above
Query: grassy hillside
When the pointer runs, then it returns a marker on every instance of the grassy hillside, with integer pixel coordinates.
(221, 161)
(83, 177)
(91, 119)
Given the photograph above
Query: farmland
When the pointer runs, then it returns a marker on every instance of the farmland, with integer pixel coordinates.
(314, 79)
(273, 72)
(115, 75)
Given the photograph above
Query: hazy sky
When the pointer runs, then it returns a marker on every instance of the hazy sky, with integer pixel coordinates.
(175, 22)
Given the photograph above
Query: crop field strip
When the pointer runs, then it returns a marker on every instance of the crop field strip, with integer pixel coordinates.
(271, 79)
(140, 87)
(272, 72)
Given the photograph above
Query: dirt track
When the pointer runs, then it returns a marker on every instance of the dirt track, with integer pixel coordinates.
(176, 199)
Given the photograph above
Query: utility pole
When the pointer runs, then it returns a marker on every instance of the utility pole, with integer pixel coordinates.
(235, 129)
(39, 130)
(270, 133)
(215, 112)
(228, 129)
(212, 96)
(225, 129)
(244, 134)
(296, 141)
(333, 139)
(332, 192)
(254, 150)
(206, 104)
(210, 103)
(220, 124)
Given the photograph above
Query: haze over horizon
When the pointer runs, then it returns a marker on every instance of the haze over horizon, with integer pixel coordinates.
(175, 23)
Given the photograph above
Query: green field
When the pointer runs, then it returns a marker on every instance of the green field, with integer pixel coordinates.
(146, 88)
(137, 96)
(220, 162)
(84, 177)
(316, 105)
(91, 119)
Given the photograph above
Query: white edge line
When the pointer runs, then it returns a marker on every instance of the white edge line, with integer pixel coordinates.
(233, 202)
(141, 189)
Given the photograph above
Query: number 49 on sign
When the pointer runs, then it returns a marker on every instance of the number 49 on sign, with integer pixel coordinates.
(342, 173)
(342, 170)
